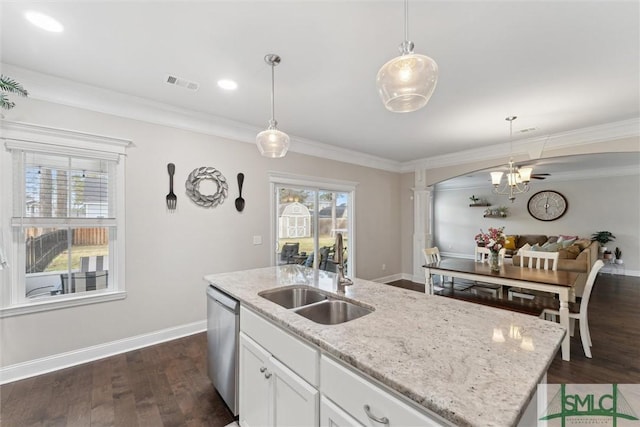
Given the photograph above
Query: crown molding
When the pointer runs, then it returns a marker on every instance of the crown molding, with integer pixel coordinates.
(577, 175)
(57, 90)
(66, 92)
(532, 148)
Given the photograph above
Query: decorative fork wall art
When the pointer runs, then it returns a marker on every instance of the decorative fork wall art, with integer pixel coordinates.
(172, 199)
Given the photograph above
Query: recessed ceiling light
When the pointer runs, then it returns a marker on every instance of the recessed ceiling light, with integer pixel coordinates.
(227, 84)
(43, 21)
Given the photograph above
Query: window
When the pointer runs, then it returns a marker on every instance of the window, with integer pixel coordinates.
(65, 219)
(309, 213)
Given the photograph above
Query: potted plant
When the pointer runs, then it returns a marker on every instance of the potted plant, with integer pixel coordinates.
(602, 237)
(607, 255)
(474, 199)
(618, 254)
(503, 211)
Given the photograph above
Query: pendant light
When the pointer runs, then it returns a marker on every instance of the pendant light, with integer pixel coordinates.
(517, 181)
(406, 83)
(272, 142)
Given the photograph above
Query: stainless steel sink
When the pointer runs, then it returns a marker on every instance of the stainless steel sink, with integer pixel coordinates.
(293, 297)
(332, 312)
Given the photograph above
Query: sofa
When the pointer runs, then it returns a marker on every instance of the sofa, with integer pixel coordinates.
(576, 255)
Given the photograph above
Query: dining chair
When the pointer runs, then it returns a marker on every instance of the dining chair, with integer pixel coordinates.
(578, 311)
(482, 255)
(538, 260)
(289, 250)
(94, 263)
(83, 281)
(431, 256)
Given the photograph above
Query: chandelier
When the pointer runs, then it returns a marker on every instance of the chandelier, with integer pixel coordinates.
(517, 181)
(272, 142)
(406, 83)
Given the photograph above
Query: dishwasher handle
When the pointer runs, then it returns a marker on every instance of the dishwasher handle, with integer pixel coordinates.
(223, 299)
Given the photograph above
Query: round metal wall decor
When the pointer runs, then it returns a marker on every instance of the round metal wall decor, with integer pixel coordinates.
(193, 184)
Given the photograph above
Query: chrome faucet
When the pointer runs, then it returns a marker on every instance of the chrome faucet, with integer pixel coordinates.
(342, 280)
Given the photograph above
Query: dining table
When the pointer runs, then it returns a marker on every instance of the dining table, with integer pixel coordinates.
(560, 282)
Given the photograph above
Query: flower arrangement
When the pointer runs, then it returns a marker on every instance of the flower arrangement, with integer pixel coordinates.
(494, 239)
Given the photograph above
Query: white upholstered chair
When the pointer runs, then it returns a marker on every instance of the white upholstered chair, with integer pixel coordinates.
(482, 255)
(538, 260)
(579, 311)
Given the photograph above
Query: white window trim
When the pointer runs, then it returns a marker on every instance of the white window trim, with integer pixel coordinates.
(32, 137)
(314, 183)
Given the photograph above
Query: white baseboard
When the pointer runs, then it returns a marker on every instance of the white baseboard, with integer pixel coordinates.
(388, 279)
(64, 360)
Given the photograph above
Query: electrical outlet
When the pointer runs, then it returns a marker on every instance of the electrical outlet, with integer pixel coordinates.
(257, 240)
(384, 267)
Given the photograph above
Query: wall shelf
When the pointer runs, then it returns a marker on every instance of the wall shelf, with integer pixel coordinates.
(484, 205)
(494, 216)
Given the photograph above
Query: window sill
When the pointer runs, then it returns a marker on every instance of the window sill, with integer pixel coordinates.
(58, 303)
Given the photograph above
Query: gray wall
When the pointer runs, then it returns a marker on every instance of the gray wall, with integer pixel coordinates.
(594, 205)
(168, 254)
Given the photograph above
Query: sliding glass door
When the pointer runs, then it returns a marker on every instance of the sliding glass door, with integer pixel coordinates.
(307, 221)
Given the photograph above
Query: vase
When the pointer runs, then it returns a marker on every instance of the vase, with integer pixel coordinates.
(494, 261)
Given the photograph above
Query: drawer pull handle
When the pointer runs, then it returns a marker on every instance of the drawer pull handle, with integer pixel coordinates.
(267, 375)
(383, 420)
(262, 370)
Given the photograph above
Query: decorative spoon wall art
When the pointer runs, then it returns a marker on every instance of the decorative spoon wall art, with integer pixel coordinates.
(240, 200)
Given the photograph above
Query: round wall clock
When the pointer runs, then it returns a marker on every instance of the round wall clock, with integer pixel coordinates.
(547, 205)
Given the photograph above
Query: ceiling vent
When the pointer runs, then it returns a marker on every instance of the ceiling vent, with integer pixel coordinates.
(179, 81)
(528, 130)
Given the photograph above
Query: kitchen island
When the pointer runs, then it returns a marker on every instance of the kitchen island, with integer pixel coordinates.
(469, 364)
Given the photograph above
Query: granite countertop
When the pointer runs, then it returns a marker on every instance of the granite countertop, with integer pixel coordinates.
(471, 364)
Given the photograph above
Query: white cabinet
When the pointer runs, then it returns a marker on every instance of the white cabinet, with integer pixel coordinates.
(272, 394)
(254, 386)
(333, 416)
(367, 402)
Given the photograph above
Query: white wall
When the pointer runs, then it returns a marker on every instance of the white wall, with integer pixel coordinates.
(594, 205)
(167, 254)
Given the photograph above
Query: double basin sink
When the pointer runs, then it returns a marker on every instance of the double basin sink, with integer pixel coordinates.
(315, 305)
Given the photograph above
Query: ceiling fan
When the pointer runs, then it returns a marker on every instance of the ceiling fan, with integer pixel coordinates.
(540, 175)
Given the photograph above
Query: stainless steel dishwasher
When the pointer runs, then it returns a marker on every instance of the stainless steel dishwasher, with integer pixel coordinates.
(223, 326)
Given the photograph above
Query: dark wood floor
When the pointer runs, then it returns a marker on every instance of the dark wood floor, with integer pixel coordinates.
(167, 384)
(614, 323)
(162, 385)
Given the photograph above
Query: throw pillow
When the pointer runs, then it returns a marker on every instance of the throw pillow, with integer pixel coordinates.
(582, 243)
(526, 247)
(573, 251)
(553, 239)
(549, 247)
(510, 243)
(536, 248)
(553, 247)
(563, 237)
(567, 243)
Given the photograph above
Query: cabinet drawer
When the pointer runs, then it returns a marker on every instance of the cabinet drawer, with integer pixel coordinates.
(352, 392)
(291, 351)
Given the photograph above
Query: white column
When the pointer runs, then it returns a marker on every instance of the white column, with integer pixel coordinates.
(422, 222)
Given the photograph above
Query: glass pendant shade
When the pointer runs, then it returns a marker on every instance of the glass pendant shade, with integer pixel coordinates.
(272, 143)
(406, 83)
(525, 174)
(496, 177)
